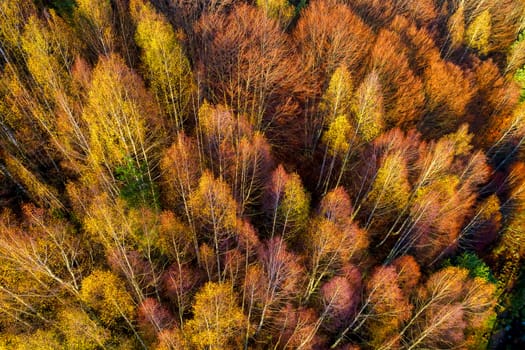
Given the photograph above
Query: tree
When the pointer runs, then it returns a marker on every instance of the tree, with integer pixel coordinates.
(341, 297)
(174, 238)
(286, 204)
(80, 331)
(49, 47)
(13, 14)
(181, 171)
(95, 21)
(247, 63)
(516, 55)
(152, 318)
(130, 239)
(122, 122)
(171, 339)
(215, 213)
(402, 89)
(456, 27)
(339, 140)
(235, 152)
(167, 67)
(217, 319)
(39, 191)
(178, 284)
(388, 307)
(483, 228)
(41, 261)
(106, 294)
(40, 339)
(504, 21)
(501, 113)
(409, 273)
(367, 108)
(478, 33)
(331, 35)
(331, 246)
(249, 169)
(280, 10)
(451, 310)
(390, 190)
(337, 99)
(380, 13)
(333, 42)
(297, 328)
(448, 91)
(510, 250)
(279, 278)
(336, 206)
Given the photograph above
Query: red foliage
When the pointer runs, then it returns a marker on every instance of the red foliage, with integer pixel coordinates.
(297, 328)
(341, 296)
(336, 206)
(409, 273)
(281, 268)
(153, 317)
(247, 63)
(402, 89)
(178, 283)
(330, 34)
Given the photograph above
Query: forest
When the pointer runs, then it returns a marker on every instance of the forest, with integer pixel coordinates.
(262, 174)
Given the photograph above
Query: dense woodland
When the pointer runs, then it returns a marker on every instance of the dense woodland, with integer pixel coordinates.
(268, 174)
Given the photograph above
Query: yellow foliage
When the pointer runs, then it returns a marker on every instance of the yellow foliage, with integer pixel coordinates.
(216, 123)
(456, 27)
(42, 193)
(490, 209)
(167, 67)
(42, 64)
(80, 331)
(461, 139)
(280, 10)
(337, 100)
(171, 339)
(174, 238)
(120, 116)
(391, 188)
(214, 206)
(511, 245)
(41, 340)
(106, 294)
(13, 14)
(112, 224)
(95, 21)
(295, 205)
(218, 322)
(478, 33)
(337, 136)
(368, 108)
